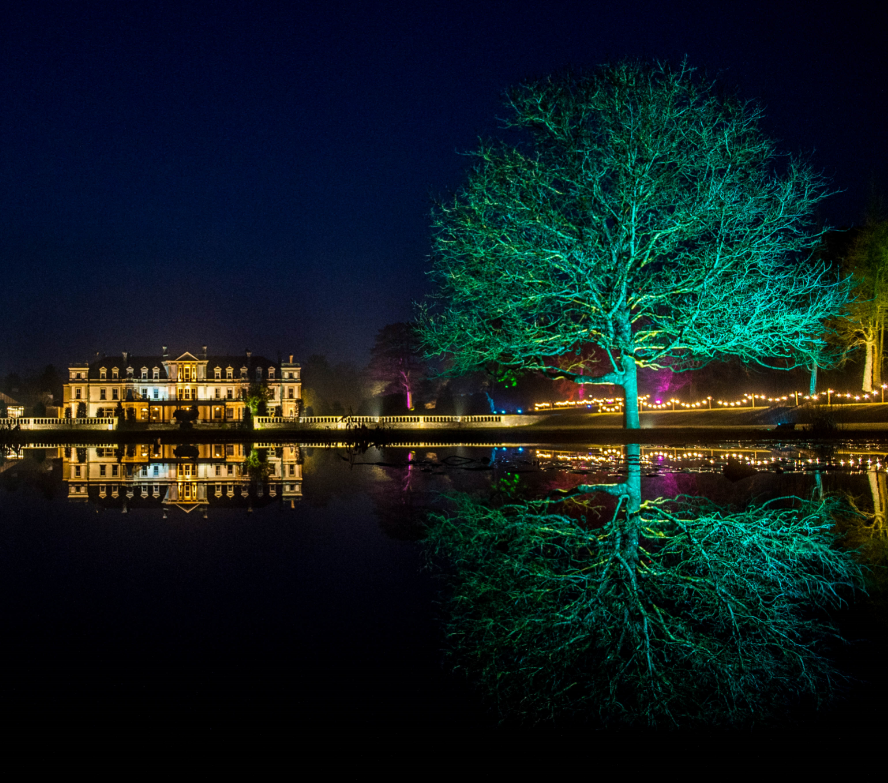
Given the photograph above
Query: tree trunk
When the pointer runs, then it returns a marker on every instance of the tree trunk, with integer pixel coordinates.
(812, 384)
(868, 369)
(880, 353)
(630, 393)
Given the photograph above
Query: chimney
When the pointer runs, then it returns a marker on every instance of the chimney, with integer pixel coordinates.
(291, 358)
(204, 354)
(125, 354)
(249, 353)
(165, 354)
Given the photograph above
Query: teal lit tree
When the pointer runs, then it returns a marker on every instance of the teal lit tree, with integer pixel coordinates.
(646, 214)
(673, 613)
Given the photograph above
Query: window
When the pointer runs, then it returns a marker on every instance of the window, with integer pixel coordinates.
(103, 374)
(218, 393)
(103, 394)
(229, 413)
(115, 373)
(217, 373)
(144, 373)
(114, 394)
(290, 393)
(101, 470)
(218, 470)
(229, 394)
(244, 373)
(114, 470)
(229, 373)
(271, 373)
(77, 471)
(292, 470)
(129, 373)
(76, 394)
(156, 470)
(156, 393)
(230, 470)
(155, 373)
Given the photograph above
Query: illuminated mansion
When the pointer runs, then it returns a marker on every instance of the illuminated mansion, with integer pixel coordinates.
(153, 388)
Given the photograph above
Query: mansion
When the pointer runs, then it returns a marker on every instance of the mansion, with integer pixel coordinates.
(151, 389)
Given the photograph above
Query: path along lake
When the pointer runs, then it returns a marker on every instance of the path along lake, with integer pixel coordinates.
(223, 587)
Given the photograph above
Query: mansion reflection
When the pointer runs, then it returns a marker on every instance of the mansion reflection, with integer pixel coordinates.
(187, 476)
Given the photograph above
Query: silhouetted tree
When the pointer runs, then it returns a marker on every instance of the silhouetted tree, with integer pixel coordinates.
(396, 361)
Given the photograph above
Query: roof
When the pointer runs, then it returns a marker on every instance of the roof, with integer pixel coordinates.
(138, 362)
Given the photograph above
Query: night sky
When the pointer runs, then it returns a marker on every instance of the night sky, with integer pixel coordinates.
(260, 175)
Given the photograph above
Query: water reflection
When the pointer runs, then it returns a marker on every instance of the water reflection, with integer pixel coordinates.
(670, 610)
(185, 476)
(621, 601)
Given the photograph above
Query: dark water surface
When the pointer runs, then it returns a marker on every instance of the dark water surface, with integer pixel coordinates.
(194, 599)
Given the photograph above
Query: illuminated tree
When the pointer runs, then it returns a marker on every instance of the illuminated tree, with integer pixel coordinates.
(396, 360)
(672, 613)
(646, 214)
(866, 263)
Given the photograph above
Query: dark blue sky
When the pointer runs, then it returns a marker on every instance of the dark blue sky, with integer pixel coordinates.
(259, 174)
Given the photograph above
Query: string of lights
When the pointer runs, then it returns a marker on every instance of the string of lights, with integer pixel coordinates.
(646, 402)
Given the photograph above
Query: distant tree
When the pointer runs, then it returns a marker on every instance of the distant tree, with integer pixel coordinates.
(257, 397)
(396, 361)
(325, 385)
(866, 263)
(646, 216)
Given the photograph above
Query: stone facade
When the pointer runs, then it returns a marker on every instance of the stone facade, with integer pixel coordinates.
(206, 389)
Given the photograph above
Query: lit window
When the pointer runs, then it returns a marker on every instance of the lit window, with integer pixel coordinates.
(156, 393)
(156, 469)
(217, 373)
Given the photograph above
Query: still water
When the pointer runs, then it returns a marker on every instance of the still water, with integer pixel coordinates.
(224, 585)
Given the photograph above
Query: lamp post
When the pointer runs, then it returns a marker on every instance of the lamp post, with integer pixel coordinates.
(828, 396)
(709, 399)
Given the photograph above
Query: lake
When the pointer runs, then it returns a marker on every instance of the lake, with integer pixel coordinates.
(219, 587)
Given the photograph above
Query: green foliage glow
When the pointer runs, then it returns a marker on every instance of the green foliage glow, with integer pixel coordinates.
(712, 618)
(647, 216)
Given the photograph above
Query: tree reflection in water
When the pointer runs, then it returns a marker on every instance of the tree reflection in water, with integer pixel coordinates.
(672, 612)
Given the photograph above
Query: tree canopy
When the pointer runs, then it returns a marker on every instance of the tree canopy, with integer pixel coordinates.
(645, 213)
(396, 360)
(866, 263)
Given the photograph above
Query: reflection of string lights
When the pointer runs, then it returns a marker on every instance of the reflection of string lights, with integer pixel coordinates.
(715, 460)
